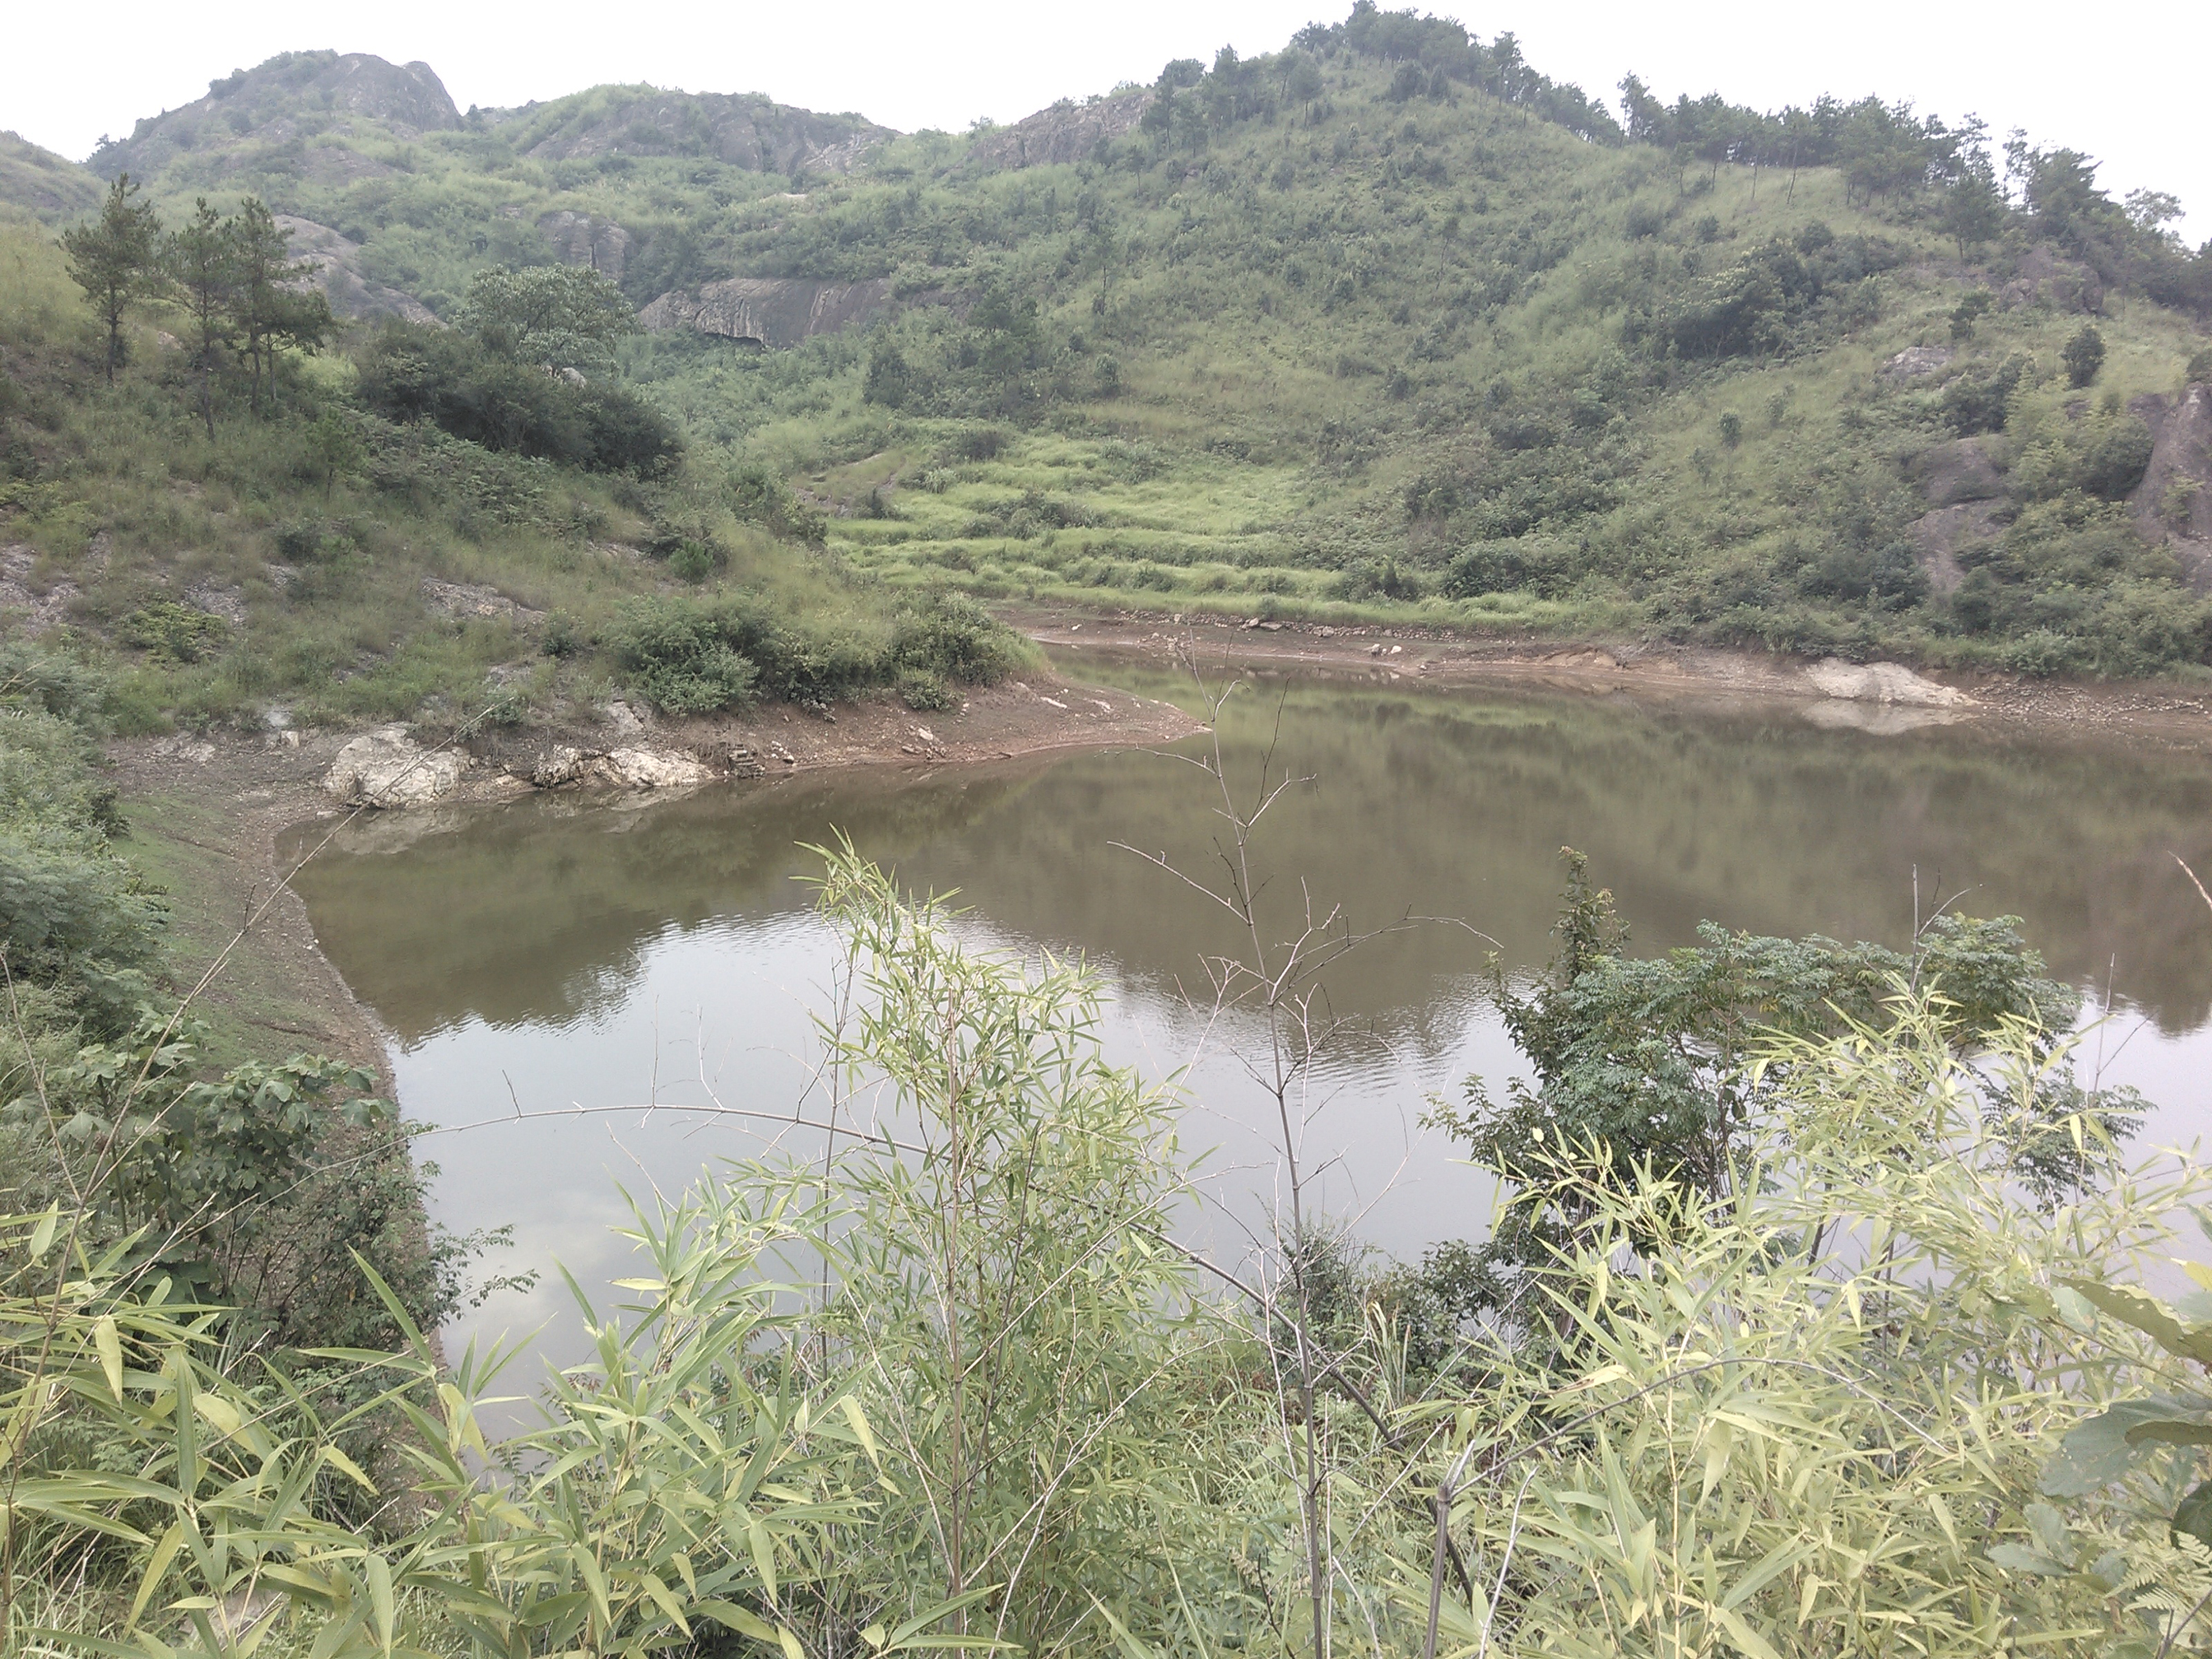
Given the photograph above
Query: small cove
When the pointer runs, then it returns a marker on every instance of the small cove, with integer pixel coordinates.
(565, 952)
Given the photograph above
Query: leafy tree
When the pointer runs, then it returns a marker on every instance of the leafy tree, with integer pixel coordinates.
(556, 316)
(1974, 206)
(889, 380)
(116, 259)
(2084, 354)
(410, 371)
(1969, 311)
(1642, 1066)
(203, 257)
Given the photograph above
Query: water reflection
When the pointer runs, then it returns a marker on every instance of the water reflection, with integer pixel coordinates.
(554, 951)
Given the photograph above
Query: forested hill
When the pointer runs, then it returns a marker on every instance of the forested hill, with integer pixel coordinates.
(1385, 323)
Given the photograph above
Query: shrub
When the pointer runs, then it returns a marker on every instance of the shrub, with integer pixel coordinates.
(410, 372)
(924, 692)
(677, 657)
(2084, 355)
(172, 632)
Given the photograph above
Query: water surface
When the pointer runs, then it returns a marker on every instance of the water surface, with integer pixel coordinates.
(559, 952)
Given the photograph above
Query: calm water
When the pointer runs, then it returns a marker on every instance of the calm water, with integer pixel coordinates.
(557, 952)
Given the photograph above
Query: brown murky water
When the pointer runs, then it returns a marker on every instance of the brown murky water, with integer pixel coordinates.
(557, 953)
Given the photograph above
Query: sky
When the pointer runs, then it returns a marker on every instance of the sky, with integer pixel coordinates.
(2132, 94)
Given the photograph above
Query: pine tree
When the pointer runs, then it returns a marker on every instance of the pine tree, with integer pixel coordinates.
(272, 301)
(202, 258)
(115, 260)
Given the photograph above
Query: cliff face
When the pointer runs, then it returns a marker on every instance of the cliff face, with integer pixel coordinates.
(770, 312)
(338, 274)
(2173, 503)
(739, 130)
(1066, 132)
(282, 100)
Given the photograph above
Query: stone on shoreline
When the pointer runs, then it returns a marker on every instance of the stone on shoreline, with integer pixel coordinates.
(386, 767)
(1881, 681)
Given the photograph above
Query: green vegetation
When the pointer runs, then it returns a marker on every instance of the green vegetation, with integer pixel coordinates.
(954, 1384)
(252, 1183)
(248, 525)
(1384, 325)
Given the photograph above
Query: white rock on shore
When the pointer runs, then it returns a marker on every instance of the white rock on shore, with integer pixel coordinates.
(386, 767)
(1881, 681)
(618, 768)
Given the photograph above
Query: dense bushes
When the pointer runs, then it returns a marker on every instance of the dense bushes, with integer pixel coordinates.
(410, 371)
(225, 1181)
(697, 656)
(75, 921)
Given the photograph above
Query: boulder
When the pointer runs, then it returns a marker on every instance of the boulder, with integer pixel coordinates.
(1880, 681)
(1960, 470)
(388, 769)
(618, 768)
(650, 768)
(1914, 361)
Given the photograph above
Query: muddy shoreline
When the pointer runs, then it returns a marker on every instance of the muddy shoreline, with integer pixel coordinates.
(2165, 716)
(253, 793)
(241, 801)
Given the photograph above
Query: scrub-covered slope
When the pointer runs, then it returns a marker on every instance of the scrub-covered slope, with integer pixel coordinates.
(1384, 324)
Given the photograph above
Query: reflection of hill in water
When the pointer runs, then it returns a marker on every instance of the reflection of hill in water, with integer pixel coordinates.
(1440, 804)
(537, 910)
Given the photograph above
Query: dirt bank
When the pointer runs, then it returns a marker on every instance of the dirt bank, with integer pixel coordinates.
(2169, 715)
(209, 814)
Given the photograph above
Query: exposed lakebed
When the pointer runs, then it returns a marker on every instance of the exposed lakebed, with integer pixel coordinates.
(566, 951)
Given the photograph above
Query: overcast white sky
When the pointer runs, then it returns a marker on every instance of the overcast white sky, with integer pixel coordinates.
(2129, 85)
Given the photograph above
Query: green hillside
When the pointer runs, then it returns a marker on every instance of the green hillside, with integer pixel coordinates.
(1384, 325)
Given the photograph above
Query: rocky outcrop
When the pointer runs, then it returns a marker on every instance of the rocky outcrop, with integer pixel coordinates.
(278, 101)
(1939, 537)
(388, 769)
(1961, 471)
(1880, 681)
(2173, 503)
(585, 239)
(1066, 132)
(338, 274)
(769, 311)
(2062, 284)
(566, 767)
(1964, 493)
(1915, 362)
(742, 130)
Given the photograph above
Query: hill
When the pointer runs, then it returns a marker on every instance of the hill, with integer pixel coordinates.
(1385, 325)
(43, 184)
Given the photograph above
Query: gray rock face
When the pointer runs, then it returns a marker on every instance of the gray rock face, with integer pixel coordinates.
(1066, 132)
(2173, 503)
(584, 238)
(388, 769)
(769, 311)
(1914, 361)
(337, 273)
(1938, 537)
(1961, 471)
(2064, 284)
